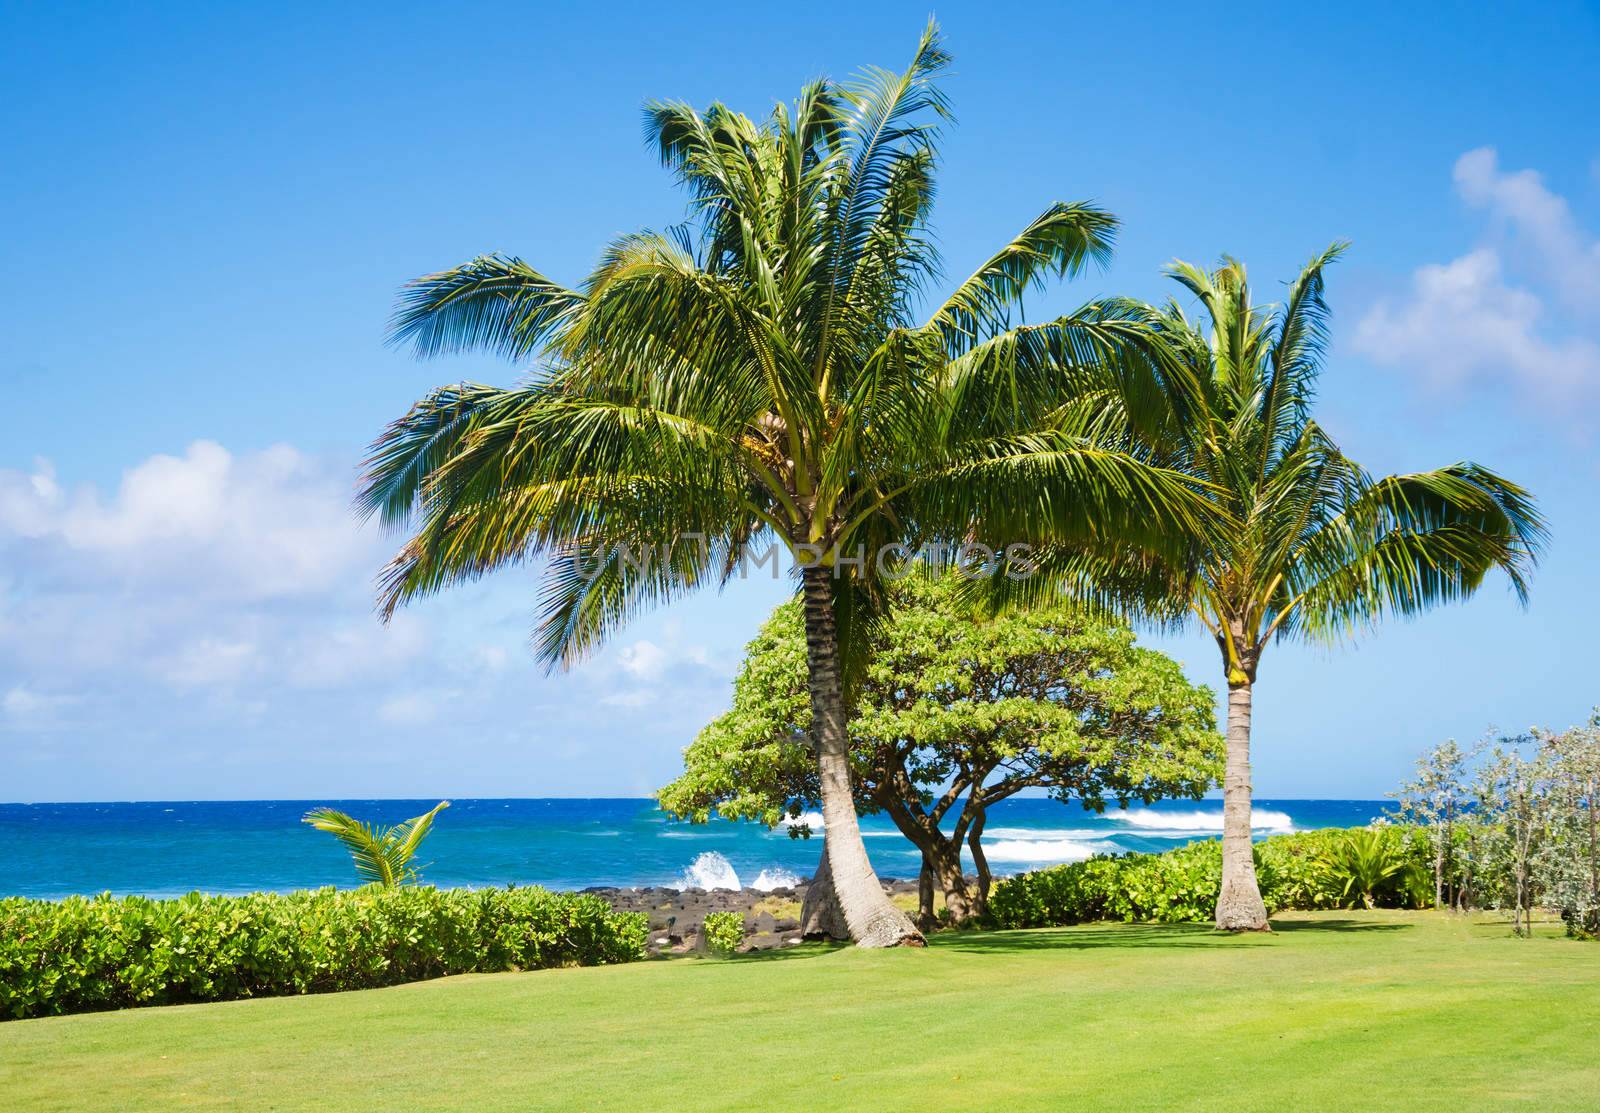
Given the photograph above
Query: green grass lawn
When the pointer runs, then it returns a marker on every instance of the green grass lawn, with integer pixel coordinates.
(1333, 1011)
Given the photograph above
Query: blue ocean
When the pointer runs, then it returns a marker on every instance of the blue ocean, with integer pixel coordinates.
(170, 848)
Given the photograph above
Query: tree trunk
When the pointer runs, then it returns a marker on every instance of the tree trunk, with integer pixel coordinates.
(872, 920)
(1439, 870)
(980, 862)
(926, 919)
(945, 856)
(1239, 905)
(941, 862)
(1592, 921)
(820, 914)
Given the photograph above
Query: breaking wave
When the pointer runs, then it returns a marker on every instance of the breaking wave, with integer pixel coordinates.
(775, 878)
(1189, 823)
(709, 871)
(713, 871)
(1044, 850)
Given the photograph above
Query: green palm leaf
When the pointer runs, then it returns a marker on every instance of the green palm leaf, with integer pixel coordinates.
(382, 855)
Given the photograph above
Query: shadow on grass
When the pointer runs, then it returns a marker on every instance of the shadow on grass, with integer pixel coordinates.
(785, 954)
(1313, 927)
(775, 954)
(1126, 936)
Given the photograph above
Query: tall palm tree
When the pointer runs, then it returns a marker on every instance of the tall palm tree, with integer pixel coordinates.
(756, 377)
(1318, 548)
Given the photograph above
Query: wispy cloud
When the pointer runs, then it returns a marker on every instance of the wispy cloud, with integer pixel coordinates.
(272, 524)
(211, 612)
(1520, 309)
(25, 708)
(1535, 222)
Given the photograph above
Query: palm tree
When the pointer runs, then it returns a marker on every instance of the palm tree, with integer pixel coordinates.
(756, 377)
(382, 855)
(1318, 548)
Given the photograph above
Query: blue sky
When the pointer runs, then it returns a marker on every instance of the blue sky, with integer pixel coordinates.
(205, 213)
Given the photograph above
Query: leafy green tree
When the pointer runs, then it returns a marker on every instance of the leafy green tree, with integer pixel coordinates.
(955, 713)
(759, 377)
(382, 855)
(1317, 548)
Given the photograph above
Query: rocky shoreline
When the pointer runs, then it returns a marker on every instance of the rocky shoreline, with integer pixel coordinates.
(771, 916)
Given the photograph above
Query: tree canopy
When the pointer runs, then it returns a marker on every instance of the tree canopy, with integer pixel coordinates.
(955, 712)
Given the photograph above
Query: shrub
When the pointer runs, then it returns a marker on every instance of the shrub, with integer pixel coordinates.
(89, 953)
(1370, 866)
(1180, 886)
(723, 932)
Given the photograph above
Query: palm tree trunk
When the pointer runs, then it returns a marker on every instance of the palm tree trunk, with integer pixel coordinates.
(1239, 906)
(820, 916)
(873, 921)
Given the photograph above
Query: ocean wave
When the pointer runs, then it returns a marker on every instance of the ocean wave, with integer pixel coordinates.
(1045, 850)
(775, 877)
(1002, 833)
(709, 871)
(1153, 823)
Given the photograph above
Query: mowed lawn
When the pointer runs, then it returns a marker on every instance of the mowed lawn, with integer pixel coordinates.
(1333, 1011)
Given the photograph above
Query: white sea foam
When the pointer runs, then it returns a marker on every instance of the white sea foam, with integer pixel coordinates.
(1002, 833)
(709, 871)
(1184, 824)
(775, 877)
(1044, 850)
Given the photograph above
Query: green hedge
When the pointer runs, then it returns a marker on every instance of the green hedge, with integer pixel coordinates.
(1181, 885)
(88, 953)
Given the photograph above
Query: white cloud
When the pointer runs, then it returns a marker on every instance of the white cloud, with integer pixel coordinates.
(208, 621)
(25, 707)
(22, 701)
(269, 524)
(1462, 321)
(324, 657)
(644, 660)
(1468, 320)
(1537, 221)
(204, 570)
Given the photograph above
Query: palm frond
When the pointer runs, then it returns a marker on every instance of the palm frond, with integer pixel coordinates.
(407, 835)
(1060, 241)
(1301, 329)
(494, 303)
(1407, 543)
(382, 855)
